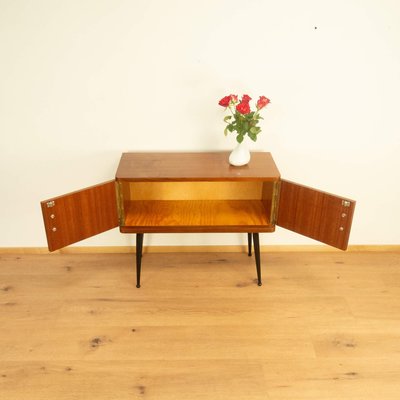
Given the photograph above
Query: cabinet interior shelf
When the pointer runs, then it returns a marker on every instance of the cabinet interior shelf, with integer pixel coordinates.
(195, 216)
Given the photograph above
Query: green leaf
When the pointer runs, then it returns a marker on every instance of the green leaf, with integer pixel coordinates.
(239, 138)
(227, 118)
(253, 136)
(255, 129)
(226, 131)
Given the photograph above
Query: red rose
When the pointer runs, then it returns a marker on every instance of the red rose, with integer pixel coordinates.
(224, 102)
(243, 107)
(262, 102)
(234, 98)
(246, 98)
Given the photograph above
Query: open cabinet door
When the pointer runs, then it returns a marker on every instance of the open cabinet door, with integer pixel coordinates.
(315, 214)
(80, 215)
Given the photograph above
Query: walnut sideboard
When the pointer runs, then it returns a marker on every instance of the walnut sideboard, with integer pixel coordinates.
(196, 193)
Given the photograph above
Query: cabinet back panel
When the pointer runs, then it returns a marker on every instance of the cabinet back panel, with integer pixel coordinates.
(251, 190)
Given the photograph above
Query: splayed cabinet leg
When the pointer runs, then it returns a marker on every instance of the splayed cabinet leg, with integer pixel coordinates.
(249, 240)
(256, 239)
(139, 250)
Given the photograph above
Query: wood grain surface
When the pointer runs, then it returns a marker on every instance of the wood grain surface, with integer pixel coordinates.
(324, 326)
(316, 214)
(196, 216)
(194, 166)
(79, 215)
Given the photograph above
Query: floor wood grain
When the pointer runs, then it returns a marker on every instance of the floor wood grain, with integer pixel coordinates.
(322, 326)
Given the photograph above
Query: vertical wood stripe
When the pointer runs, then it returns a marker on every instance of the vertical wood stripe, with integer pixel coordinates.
(315, 214)
(80, 215)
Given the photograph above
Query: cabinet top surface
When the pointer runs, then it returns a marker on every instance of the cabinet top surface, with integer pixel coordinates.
(206, 166)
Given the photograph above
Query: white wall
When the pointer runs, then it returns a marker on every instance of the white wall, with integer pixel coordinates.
(82, 81)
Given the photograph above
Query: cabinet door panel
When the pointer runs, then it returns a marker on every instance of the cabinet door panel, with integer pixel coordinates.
(315, 214)
(79, 215)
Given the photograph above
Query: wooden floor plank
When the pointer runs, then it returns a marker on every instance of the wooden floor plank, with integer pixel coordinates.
(333, 378)
(322, 326)
(142, 379)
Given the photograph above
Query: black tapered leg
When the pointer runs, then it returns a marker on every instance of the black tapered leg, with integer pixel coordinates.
(139, 250)
(257, 254)
(249, 240)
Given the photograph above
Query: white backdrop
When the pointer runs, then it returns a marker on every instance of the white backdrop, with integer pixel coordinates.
(82, 81)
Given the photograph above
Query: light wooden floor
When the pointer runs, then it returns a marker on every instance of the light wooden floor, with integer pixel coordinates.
(323, 326)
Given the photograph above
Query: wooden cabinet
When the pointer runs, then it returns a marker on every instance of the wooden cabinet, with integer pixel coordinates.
(197, 192)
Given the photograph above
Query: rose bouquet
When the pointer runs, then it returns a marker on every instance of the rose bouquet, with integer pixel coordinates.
(243, 120)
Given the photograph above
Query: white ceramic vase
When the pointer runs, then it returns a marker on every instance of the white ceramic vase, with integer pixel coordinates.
(240, 155)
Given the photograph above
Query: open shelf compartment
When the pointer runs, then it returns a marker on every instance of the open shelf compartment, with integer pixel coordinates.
(197, 206)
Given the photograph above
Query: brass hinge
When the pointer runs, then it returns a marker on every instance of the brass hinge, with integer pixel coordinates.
(50, 204)
(346, 203)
